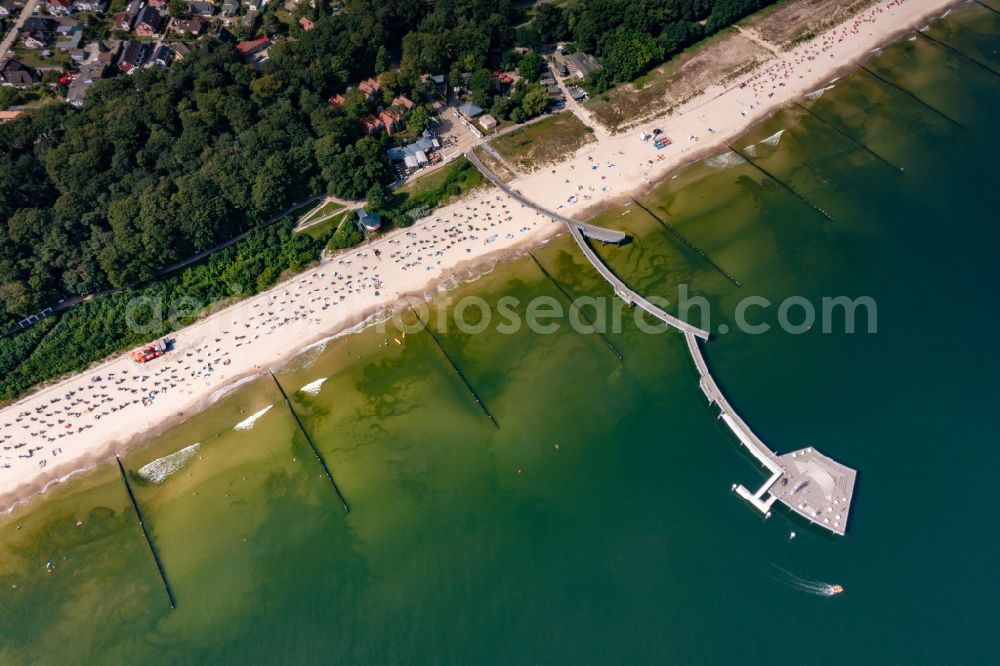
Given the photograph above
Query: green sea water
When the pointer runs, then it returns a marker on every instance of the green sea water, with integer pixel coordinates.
(596, 524)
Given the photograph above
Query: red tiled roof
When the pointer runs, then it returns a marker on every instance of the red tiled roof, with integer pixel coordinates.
(369, 86)
(248, 46)
(403, 101)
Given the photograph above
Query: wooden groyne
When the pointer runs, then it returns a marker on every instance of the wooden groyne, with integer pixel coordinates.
(958, 53)
(912, 96)
(312, 445)
(785, 185)
(145, 533)
(847, 136)
(688, 244)
(986, 6)
(572, 304)
(454, 366)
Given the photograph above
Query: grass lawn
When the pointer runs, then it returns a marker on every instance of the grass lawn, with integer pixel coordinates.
(33, 58)
(546, 142)
(328, 226)
(328, 207)
(418, 197)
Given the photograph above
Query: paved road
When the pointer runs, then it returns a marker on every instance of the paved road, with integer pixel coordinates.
(11, 36)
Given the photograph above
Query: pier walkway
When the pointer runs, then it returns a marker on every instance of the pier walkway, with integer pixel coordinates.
(625, 293)
(812, 485)
(589, 230)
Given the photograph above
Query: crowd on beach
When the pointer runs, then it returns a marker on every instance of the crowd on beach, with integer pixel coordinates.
(801, 60)
(120, 399)
(43, 424)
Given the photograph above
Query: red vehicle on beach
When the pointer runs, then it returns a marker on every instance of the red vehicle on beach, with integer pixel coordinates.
(155, 350)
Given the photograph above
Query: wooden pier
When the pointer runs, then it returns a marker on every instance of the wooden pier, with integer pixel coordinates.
(817, 488)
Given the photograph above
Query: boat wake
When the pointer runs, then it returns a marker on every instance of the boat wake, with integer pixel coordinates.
(247, 423)
(158, 470)
(818, 588)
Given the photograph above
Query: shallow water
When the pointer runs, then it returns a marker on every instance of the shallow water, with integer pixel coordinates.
(596, 523)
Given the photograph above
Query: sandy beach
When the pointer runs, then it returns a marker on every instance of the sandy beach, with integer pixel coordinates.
(80, 421)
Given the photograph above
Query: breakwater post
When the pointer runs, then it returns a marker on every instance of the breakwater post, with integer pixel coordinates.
(785, 185)
(912, 96)
(576, 307)
(145, 533)
(848, 136)
(454, 366)
(958, 53)
(679, 236)
(312, 444)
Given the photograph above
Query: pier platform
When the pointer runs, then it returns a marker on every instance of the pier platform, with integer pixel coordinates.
(814, 486)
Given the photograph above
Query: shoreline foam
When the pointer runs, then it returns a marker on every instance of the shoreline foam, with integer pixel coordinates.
(122, 431)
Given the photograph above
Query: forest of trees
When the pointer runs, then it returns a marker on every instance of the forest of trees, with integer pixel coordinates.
(630, 37)
(165, 163)
(162, 164)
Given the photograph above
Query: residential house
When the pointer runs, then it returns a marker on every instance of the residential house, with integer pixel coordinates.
(202, 9)
(89, 5)
(7, 116)
(38, 24)
(192, 27)
(254, 5)
(387, 120)
(7, 8)
(182, 50)
(88, 74)
(336, 101)
(148, 23)
(370, 87)
(306, 24)
(16, 75)
(70, 40)
(162, 56)
(223, 36)
(125, 20)
(34, 39)
(122, 21)
(133, 56)
(59, 7)
(249, 20)
(371, 125)
(230, 7)
(404, 102)
(253, 47)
